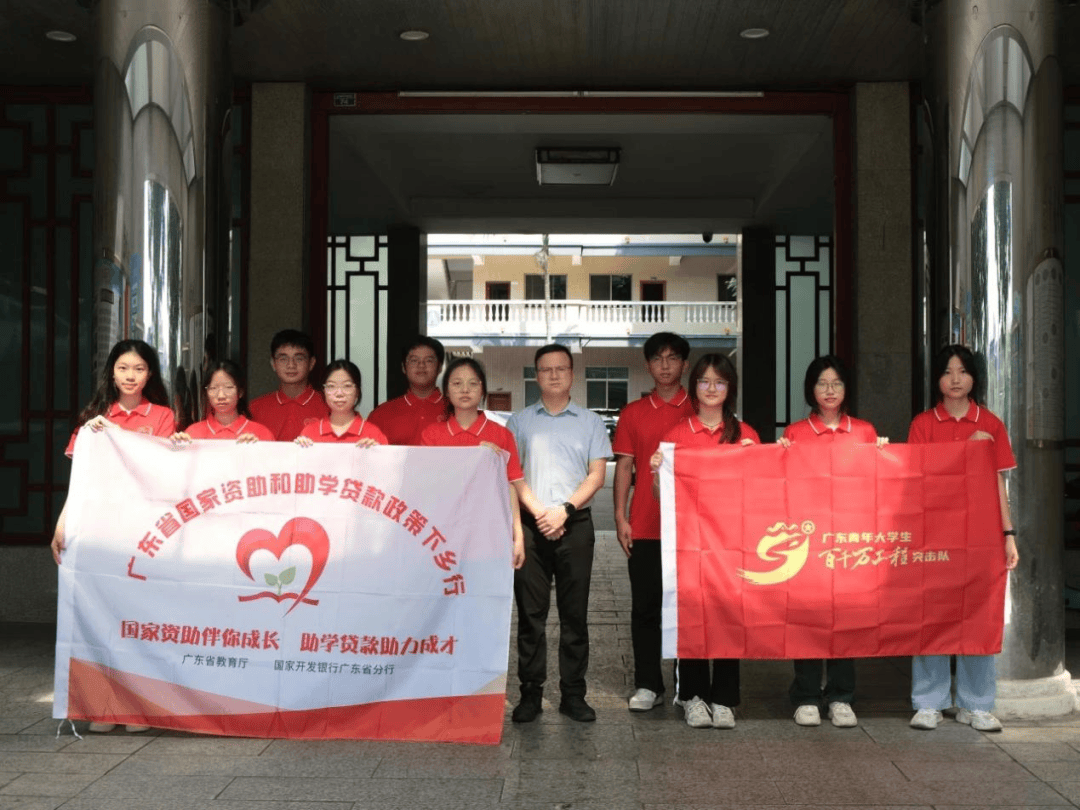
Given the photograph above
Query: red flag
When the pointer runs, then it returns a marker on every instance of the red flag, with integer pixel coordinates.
(844, 551)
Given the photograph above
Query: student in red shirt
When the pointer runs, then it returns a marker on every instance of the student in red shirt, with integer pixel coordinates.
(826, 390)
(130, 394)
(404, 418)
(227, 415)
(464, 389)
(295, 404)
(714, 390)
(958, 416)
(642, 424)
(343, 391)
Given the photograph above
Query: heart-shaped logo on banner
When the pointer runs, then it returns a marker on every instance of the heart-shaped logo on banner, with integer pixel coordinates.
(299, 531)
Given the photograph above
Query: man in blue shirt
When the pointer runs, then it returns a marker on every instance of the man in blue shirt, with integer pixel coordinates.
(564, 450)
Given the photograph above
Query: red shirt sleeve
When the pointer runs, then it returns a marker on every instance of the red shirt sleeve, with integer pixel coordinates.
(260, 432)
(370, 431)
(919, 432)
(747, 432)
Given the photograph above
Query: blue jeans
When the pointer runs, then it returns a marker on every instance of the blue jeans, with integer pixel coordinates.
(931, 682)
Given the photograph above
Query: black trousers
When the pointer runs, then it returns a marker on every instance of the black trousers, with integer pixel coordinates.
(722, 687)
(569, 560)
(646, 604)
(839, 685)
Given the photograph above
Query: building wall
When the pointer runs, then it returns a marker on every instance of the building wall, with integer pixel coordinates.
(693, 279)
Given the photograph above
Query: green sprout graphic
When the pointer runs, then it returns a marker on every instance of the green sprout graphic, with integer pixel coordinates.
(284, 578)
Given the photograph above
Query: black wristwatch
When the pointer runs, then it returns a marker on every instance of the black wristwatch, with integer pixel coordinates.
(570, 509)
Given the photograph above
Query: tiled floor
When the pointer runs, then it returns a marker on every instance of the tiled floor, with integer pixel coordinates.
(624, 761)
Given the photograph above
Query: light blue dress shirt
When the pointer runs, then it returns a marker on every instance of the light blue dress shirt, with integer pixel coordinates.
(556, 449)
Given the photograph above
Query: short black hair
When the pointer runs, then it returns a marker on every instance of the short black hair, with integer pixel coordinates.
(236, 372)
(292, 337)
(970, 363)
(814, 371)
(667, 340)
(424, 340)
(455, 364)
(548, 349)
(349, 367)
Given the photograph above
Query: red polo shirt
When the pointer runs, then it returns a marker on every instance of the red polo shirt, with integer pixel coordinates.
(813, 429)
(691, 433)
(403, 419)
(147, 418)
(211, 428)
(642, 425)
(286, 417)
(360, 428)
(451, 434)
(936, 425)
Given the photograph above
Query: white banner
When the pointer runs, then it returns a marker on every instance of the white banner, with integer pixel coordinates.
(275, 591)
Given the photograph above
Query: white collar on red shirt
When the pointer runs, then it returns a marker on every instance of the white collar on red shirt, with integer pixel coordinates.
(433, 397)
(697, 426)
(475, 428)
(676, 401)
(972, 414)
(237, 426)
(303, 398)
(142, 409)
(357, 422)
(819, 426)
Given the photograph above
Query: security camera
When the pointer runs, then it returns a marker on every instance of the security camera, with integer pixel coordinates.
(706, 237)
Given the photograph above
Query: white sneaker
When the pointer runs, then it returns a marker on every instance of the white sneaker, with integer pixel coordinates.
(644, 699)
(98, 727)
(133, 729)
(697, 713)
(808, 715)
(978, 720)
(842, 715)
(926, 719)
(722, 717)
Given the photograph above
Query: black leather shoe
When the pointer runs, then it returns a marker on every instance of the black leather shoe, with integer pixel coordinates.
(576, 708)
(528, 709)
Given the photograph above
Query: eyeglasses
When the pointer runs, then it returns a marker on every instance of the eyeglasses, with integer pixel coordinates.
(465, 385)
(824, 385)
(291, 359)
(347, 388)
(214, 390)
(705, 385)
(553, 370)
(415, 362)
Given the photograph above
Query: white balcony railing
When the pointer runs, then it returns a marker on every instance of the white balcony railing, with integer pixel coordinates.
(582, 318)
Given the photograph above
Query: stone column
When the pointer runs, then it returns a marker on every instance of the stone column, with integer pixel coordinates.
(883, 283)
(997, 99)
(279, 278)
(162, 99)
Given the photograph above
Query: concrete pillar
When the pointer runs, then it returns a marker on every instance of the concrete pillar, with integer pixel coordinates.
(883, 283)
(997, 99)
(279, 279)
(162, 98)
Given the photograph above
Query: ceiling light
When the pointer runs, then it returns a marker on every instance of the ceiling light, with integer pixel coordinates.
(592, 166)
(414, 35)
(60, 36)
(754, 33)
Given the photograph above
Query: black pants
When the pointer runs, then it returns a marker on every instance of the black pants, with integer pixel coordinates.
(722, 687)
(839, 685)
(646, 603)
(569, 560)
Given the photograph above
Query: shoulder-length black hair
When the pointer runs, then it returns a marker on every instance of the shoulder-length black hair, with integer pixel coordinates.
(721, 364)
(971, 366)
(814, 371)
(456, 364)
(107, 392)
(349, 367)
(239, 380)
